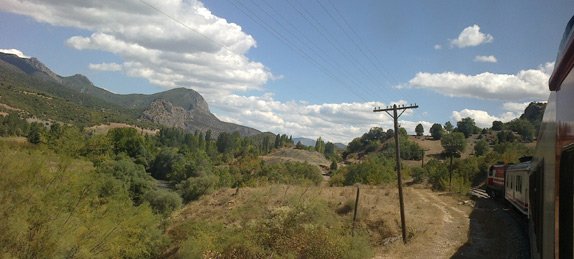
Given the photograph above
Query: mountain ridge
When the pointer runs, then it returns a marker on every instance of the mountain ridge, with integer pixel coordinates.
(178, 107)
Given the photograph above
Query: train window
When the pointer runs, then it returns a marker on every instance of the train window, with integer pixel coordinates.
(510, 178)
(519, 183)
(566, 206)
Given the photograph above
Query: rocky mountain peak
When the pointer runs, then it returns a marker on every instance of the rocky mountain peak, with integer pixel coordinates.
(31, 66)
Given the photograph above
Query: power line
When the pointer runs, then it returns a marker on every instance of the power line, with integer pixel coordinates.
(370, 55)
(333, 41)
(257, 19)
(315, 50)
(364, 69)
(184, 25)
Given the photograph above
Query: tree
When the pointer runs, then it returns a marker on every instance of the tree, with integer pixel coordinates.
(481, 147)
(505, 136)
(467, 126)
(375, 133)
(320, 145)
(333, 165)
(35, 135)
(453, 143)
(299, 145)
(329, 149)
(403, 132)
(436, 131)
(277, 141)
(419, 129)
(497, 125)
(448, 126)
(523, 127)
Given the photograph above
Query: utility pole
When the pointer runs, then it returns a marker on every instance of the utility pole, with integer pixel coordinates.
(395, 117)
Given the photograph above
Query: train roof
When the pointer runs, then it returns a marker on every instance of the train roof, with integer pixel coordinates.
(565, 58)
(519, 166)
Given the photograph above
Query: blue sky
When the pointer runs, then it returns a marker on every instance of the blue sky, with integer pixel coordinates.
(307, 68)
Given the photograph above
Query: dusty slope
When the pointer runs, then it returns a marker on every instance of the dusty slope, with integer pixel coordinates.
(437, 224)
(297, 155)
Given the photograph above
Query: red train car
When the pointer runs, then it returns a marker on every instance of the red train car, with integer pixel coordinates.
(551, 194)
(495, 180)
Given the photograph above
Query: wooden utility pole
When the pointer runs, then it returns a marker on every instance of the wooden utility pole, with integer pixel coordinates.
(355, 212)
(395, 117)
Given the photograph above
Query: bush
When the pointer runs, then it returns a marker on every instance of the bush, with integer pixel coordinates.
(163, 202)
(194, 187)
(374, 170)
(296, 230)
(418, 174)
(55, 207)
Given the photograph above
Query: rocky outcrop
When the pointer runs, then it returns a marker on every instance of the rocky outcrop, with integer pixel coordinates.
(196, 117)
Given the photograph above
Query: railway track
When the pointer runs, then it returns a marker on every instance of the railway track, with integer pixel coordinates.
(497, 230)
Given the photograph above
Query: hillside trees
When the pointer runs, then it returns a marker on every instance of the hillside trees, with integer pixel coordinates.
(436, 131)
(467, 126)
(523, 127)
(330, 150)
(481, 147)
(36, 133)
(448, 126)
(497, 125)
(54, 207)
(374, 170)
(419, 130)
(13, 125)
(320, 145)
(453, 143)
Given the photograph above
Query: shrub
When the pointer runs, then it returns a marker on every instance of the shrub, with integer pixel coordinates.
(194, 187)
(163, 202)
(418, 174)
(374, 170)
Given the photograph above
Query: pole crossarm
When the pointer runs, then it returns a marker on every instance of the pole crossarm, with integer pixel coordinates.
(395, 117)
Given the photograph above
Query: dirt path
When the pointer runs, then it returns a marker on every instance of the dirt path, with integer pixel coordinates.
(442, 226)
(437, 225)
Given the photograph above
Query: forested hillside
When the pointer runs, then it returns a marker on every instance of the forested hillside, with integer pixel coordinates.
(37, 92)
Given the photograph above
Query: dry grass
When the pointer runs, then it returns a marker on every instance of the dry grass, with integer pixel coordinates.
(437, 225)
(297, 155)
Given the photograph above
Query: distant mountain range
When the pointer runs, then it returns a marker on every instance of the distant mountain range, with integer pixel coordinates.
(28, 85)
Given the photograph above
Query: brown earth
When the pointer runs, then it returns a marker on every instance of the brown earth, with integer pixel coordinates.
(439, 225)
(297, 155)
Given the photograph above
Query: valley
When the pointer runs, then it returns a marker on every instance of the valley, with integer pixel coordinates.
(160, 176)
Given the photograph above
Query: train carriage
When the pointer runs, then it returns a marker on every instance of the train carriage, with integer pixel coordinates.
(551, 177)
(495, 180)
(516, 186)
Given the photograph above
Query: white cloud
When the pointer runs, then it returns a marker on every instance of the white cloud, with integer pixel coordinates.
(14, 52)
(531, 84)
(106, 67)
(338, 122)
(482, 118)
(470, 37)
(515, 107)
(487, 59)
(437, 46)
(199, 51)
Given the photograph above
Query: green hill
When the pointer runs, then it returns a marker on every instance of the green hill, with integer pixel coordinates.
(28, 85)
